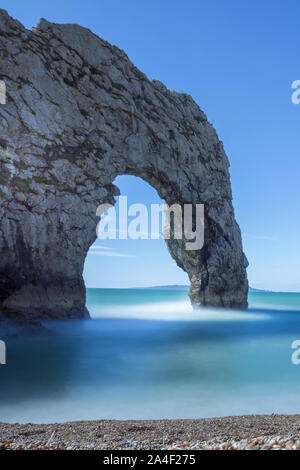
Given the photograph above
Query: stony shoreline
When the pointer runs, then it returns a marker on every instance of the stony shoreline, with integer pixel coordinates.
(260, 432)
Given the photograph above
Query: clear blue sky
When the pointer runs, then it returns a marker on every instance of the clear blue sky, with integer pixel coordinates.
(238, 60)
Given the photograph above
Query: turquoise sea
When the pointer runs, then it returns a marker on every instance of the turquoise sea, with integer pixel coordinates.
(146, 354)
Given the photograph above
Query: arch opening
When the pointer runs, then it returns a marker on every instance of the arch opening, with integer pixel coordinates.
(140, 262)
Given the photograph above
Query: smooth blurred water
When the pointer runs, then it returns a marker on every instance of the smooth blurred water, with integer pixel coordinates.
(147, 354)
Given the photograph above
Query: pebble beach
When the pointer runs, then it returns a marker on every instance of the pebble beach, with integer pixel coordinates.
(258, 432)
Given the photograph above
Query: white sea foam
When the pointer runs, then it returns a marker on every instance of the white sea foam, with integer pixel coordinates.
(174, 311)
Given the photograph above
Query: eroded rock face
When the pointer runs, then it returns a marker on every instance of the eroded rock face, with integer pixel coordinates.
(78, 114)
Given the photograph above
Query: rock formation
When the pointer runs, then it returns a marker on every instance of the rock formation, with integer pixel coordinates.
(78, 114)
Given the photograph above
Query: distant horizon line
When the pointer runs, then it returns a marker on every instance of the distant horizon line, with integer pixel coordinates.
(184, 286)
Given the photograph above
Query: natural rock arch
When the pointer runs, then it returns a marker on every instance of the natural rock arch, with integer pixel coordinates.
(78, 114)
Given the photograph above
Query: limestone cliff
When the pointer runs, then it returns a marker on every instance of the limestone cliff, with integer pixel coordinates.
(78, 114)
